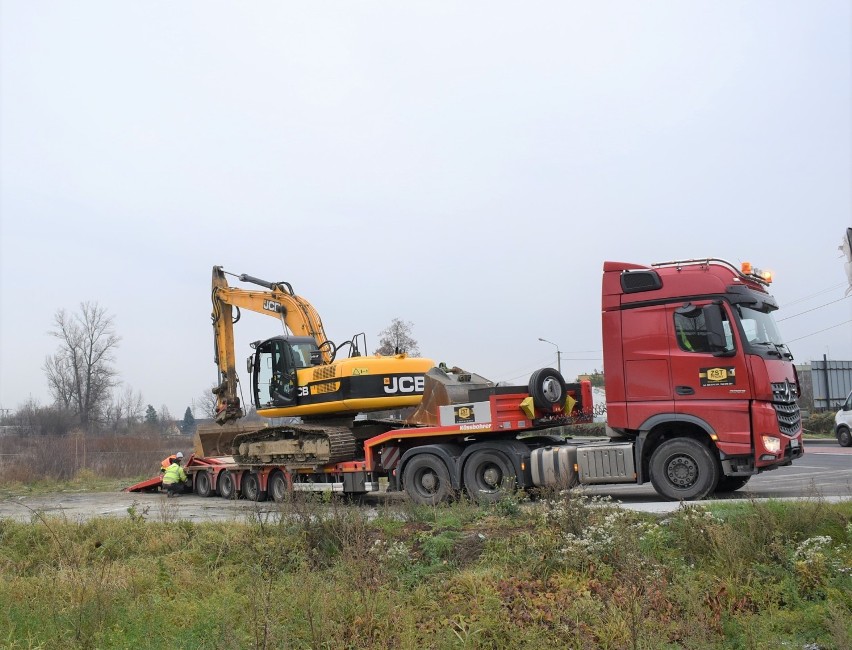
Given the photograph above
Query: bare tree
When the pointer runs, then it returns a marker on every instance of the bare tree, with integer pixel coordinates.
(132, 406)
(126, 408)
(396, 338)
(206, 403)
(80, 374)
(167, 422)
(33, 419)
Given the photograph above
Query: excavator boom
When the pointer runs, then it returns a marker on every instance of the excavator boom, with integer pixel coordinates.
(278, 301)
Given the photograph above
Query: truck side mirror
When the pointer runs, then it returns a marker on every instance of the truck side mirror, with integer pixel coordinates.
(715, 330)
(249, 364)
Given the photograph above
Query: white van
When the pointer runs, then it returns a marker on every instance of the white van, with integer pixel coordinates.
(843, 423)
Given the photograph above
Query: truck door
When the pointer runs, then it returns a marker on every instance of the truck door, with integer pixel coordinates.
(274, 374)
(710, 377)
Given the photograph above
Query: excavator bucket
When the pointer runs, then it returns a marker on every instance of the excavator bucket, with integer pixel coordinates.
(215, 439)
(444, 386)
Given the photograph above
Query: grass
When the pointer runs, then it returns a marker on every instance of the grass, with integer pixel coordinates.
(566, 571)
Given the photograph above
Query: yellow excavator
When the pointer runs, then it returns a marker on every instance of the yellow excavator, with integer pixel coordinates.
(302, 375)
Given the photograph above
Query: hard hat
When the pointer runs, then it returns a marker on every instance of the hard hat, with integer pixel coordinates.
(179, 454)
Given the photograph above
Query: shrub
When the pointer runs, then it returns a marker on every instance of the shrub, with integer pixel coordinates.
(821, 424)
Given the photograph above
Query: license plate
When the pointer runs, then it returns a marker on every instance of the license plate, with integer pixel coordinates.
(794, 443)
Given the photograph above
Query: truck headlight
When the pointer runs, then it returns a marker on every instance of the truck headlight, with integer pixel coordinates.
(772, 444)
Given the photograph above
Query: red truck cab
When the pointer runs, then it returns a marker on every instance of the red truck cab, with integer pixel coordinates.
(692, 356)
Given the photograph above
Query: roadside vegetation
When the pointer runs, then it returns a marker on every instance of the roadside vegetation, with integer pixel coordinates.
(34, 464)
(819, 424)
(566, 571)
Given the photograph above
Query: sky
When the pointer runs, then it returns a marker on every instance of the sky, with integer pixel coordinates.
(467, 167)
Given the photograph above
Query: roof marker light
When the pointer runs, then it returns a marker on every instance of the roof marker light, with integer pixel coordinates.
(764, 277)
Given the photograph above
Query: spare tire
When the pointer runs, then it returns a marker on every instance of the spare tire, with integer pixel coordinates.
(547, 388)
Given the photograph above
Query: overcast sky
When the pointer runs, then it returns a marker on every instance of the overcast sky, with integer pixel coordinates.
(467, 167)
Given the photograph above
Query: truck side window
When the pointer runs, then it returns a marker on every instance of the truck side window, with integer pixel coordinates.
(691, 332)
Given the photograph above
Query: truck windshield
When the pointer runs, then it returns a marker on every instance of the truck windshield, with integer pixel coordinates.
(759, 327)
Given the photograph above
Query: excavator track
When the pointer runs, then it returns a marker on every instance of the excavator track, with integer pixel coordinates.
(295, 445)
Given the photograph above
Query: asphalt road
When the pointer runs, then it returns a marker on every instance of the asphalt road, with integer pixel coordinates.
(825, 471)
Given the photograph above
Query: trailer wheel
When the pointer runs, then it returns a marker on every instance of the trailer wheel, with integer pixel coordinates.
(226, 487)
(202, 485)
(488, 476)
(683, 469)
(844, 437)
(277, 486)
(547, 388)
(251, 487)
(427, 480)
(731, 483)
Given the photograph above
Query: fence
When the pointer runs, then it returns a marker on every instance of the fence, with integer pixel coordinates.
(832, 382)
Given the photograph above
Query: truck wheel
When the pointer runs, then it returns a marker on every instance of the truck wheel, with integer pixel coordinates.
(547, 388)
(488, 476)
(225, 486)
(683, 469)
(731, 483)
(844, 437)
(277, 486)
(251, 487)
(427, 480)
(202, 485)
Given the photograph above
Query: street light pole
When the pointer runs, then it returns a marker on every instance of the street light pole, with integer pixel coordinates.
(558, 354)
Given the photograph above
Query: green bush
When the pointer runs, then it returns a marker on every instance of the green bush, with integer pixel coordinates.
(821, 424)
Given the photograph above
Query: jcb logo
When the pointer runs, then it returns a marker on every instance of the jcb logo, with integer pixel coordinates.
(271, 305)
(395, 385)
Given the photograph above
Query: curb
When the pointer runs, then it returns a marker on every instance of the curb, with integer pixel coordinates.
(819, 441)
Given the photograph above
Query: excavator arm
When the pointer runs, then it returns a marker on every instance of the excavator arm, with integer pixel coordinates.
(278, 301)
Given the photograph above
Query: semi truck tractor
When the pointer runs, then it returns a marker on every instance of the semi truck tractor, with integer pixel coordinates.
(700, 388)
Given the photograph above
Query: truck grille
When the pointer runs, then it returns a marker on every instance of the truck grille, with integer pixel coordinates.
(784, 396)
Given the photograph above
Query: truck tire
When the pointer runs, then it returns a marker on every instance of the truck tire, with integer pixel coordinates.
(844, 437)
(226, 487)
(251, 487)
(427, 480)
(277, 486)
(683, 469)
(731, 483)
(547, 388)
(202, 485)
(488, 476)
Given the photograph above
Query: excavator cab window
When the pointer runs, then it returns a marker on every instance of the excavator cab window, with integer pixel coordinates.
(303, 353)
(275, 374)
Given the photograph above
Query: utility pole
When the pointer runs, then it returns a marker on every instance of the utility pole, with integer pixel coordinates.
(558, 354)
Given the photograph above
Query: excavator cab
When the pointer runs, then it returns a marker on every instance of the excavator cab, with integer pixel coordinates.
(273, 368)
